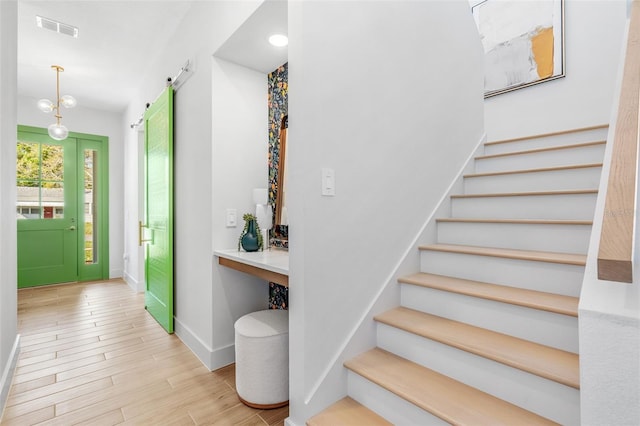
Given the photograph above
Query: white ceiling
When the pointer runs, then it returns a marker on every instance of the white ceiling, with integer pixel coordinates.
(117, 42)
(249, 45)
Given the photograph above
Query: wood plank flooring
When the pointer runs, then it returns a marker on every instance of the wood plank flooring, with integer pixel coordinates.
(91, 355)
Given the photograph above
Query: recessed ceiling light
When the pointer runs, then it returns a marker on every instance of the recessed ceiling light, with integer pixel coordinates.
(279, 40)
(59, 27)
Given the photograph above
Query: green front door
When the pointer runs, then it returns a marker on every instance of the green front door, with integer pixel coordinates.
(47, 210)
(62, 207)
(159, 209)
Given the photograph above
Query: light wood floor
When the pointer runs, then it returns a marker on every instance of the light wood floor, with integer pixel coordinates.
(91, 355)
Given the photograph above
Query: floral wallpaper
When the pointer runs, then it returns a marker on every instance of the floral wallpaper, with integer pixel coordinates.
(278, 89)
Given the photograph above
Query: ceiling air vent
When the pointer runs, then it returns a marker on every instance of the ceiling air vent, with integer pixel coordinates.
(59, 27)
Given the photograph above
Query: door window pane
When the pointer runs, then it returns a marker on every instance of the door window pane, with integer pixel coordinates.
(40, 177)
(90, 219)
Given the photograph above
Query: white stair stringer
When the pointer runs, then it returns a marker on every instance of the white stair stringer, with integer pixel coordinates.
(535, 325)
(583, 176)
(596, 133)
(547, 398)
(557, 236)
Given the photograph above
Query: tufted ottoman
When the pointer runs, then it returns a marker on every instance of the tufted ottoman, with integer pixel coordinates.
(262, 358)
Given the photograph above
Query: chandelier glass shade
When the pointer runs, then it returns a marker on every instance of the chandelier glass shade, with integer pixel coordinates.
(57, 130)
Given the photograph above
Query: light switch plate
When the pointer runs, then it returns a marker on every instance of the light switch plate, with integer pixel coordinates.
(328, 182)
(232, 218)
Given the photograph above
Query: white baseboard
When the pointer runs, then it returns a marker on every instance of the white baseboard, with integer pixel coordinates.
(7, 373)
(135, 285)
(213, 359)
(289, 422)
(115, 273)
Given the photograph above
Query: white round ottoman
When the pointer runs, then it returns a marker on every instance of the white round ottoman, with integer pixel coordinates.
(262, 358)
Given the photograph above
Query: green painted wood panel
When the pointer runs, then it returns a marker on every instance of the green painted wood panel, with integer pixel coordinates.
(159, 209)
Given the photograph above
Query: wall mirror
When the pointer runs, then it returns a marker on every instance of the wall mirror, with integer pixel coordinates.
(278, 90)
(281, 221)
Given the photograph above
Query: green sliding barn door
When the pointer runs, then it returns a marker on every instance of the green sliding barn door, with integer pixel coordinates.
(159, 209)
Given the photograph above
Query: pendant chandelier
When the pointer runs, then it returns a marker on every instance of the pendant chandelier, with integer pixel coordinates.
(57, 130)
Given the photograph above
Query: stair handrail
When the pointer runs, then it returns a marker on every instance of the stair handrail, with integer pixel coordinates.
(615, 254)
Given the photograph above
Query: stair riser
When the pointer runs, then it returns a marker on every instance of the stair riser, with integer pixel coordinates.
(549, 141)
(547, 328)
(388, 405)
(562, 157)
(572, 207)
(542, 237)
(542, 276)
(544, 397)
(570, 179)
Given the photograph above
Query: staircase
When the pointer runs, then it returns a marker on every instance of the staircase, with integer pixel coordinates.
(487, 331)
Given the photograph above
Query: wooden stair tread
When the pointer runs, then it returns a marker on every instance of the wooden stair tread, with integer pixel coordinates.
(538, 150)
(347, 412)
(536, 256)
(560, 304)
(517, 221)
(544, 361)
(448, 399)
(544, 135)
(527, 193)
(535, 170)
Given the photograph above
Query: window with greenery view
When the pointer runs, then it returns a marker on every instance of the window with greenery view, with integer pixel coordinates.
(40, 181)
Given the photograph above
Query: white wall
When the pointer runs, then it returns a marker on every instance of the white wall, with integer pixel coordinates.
(594, 31)
(378, 96)
(9, 340)
(101, 123)
(206, 301)
(133, 203)
(240, 163)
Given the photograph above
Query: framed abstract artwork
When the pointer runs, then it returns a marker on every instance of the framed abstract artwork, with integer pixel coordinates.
(523, 43)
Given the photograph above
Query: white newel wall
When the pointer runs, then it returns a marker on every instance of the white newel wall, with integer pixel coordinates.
(376, 97)
(609, 323)
(9, 339)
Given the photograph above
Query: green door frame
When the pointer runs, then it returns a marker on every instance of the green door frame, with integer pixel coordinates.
(100, 269)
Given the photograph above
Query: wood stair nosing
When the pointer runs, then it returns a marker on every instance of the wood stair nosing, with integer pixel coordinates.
(535, 170)
(539, 150)
(527, 193)
(530, 255)
(446, 398)
(544, 361)
(516, 221)
(545, 135)
(549, 302)
(347, 411)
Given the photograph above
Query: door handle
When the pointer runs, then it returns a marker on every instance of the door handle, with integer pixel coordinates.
(71, 228)
(140, 234)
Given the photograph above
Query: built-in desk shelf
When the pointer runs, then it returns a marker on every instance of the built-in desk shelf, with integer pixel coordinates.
(271, 265)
